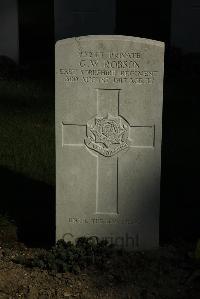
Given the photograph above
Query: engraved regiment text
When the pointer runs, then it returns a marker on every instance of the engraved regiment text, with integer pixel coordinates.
(109, 67)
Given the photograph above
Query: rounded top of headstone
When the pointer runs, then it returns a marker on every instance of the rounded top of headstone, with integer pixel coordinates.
(113, 37)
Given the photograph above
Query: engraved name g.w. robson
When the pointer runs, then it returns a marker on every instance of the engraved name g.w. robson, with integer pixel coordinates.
(105, 135)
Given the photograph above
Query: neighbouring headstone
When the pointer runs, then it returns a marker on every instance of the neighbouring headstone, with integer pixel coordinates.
(75, 18)
(109, 93)
(184, 35)
(9, 29)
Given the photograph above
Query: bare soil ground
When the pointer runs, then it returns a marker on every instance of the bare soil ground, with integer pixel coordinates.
(171, 272)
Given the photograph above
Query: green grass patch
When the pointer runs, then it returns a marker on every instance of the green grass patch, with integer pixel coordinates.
(27, 128)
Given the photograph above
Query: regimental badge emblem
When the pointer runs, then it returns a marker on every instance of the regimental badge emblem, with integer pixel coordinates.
(107, 135)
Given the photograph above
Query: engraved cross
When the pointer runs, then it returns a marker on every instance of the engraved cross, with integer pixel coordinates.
(105, 138)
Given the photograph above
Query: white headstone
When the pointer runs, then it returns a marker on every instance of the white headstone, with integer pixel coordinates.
(9, 35)
(109, 93)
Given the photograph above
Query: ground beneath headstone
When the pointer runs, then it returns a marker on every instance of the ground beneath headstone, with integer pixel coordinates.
(171, 272)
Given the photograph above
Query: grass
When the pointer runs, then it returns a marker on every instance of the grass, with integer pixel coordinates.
(4, 221)
(8, 230)
(27, 128)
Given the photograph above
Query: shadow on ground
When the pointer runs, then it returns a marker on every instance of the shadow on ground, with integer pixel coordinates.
(180, 205)
(31, 204)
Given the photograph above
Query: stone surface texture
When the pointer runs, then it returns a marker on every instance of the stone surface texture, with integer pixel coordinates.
(109, 93)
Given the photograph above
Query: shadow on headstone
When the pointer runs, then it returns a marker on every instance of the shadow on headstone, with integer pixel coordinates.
(30, 204)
